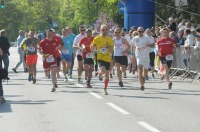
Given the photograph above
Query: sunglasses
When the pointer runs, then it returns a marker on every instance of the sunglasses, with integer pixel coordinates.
(82, 30)
(104, 29)
(141, 31)
(117, 32)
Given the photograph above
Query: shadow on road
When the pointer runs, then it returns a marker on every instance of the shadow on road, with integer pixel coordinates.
(6, 107)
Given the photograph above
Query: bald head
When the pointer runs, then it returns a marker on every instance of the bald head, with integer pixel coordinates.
(140, 31)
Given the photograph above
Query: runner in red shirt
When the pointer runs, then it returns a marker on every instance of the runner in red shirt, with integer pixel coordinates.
(165, 52)
(87, 56)
(58, 39)
(47, 48)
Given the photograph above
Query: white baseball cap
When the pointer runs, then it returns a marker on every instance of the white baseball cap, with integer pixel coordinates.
(171, 18)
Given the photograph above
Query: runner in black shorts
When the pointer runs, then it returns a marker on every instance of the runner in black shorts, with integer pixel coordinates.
(121, 48)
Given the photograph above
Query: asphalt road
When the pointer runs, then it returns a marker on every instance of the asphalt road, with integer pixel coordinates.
(75, 108)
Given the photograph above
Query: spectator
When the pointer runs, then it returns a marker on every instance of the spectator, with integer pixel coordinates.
(5, 46)
(197, 38)
(186, 25)
(181, 38)
(173, 36)
(189, 38)
(171, 24)
(20, 52)
(125, 35)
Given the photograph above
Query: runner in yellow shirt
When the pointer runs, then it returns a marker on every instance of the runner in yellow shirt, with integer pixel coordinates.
(104, 46)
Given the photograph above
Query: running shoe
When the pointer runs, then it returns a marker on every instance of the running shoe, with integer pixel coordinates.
(2, 100)
(88, 85)
(142, 88)
(111, 76)
(79, 79)
(29, 77)
(170, 85)
(49, 76)
(14, 70)
(66, 79)
(34, 80)
(53, 89)
(105, 92)
(152, 76)
(125, 75)
(121, 84)
(146, 77)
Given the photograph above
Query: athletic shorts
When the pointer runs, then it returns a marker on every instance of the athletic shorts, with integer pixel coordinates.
(144, 62)
(104, 63)
(164, 61)
(122, 60)
(88, 61)
(48, 65)
(31, 59)
(79, 58)
(152, 58)
(67, 57)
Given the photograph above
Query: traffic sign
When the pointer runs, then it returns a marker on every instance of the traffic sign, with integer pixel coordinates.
(181, 2)
(121, 8)
(55, 24)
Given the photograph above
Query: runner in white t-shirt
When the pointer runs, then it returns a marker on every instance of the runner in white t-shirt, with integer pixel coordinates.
(151, 53)
(142, 45)
(78, 50)
(121, 48)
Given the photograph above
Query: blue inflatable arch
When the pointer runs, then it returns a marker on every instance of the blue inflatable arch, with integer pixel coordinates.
(139, 13)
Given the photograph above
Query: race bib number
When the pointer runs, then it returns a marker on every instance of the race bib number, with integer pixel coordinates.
(118, 46)
(141, 49)
(89, 55)
(65, 51)
(103, 50)
(31, 49)
(50, 59)
(169, 57)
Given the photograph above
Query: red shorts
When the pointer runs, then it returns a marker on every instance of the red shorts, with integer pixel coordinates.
(31, 59)
(48, 65)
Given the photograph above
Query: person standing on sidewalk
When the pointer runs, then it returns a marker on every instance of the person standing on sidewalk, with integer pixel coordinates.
(104, 45)
(87, 56)
(31, 54)
(5, 46)
(165, 52)
(2, 100)
(20, 52)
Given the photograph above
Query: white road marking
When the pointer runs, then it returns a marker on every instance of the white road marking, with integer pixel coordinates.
(96, 95)
(79, 85)
(118, 108)
(149, 127)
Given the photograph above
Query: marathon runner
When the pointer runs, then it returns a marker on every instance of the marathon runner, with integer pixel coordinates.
(165, 52)
(104, 45)
(87, 56)
(48, 48)
(142, 44)
(29, 46)
(66, 52)
(121, 47)
(79, 52)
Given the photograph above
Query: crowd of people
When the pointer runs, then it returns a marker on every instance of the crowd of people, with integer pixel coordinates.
(101, 52)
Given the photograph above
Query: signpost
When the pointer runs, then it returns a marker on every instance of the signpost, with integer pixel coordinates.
(179, 3)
